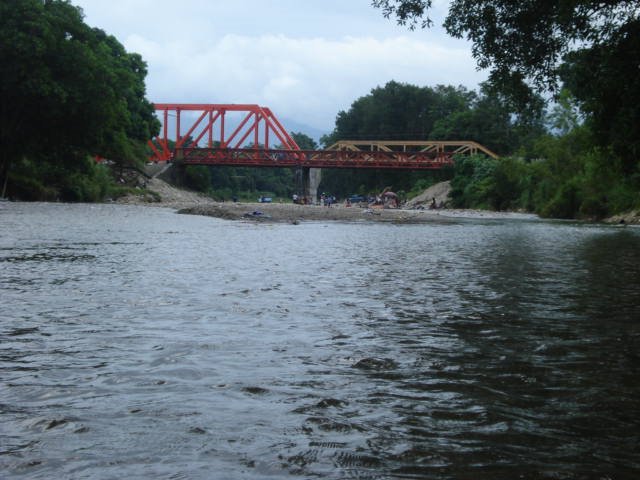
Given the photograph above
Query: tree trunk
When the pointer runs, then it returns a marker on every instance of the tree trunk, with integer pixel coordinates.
(4, 172)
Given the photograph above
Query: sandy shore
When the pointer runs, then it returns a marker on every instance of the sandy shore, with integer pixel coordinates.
(290, 213)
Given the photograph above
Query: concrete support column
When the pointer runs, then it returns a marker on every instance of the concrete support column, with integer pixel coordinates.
(307, 182)
(314, 175)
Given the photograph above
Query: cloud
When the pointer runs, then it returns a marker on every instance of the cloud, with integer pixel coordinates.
(304, 60)
(306, 79)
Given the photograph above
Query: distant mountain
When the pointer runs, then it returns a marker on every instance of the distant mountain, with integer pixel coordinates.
(293, 126)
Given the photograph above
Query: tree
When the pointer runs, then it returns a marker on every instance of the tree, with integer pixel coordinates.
(67, 90)
(565, 115)
(489, 119)
(605, 80)
(523, 40)
(591, 46)
(304, 141)
(398, 111)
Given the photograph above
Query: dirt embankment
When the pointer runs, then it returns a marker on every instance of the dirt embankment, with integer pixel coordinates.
(165, 196)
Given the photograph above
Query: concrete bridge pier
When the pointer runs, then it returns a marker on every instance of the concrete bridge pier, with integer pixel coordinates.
(308, 180)
(315, 175)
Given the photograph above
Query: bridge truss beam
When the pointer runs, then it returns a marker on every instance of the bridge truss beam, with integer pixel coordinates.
(252, 123)
(438, 147)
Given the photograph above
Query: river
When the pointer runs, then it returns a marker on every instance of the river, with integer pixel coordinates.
(139, 343)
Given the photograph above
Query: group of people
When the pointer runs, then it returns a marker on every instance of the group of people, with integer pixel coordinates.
(386, 199)
(327, 200)
(300, 200)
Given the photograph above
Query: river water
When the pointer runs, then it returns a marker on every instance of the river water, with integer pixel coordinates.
(139, 343)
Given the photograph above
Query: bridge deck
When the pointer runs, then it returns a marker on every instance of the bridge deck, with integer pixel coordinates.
(249, 157)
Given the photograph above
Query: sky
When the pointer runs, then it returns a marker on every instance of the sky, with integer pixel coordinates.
(304, 59)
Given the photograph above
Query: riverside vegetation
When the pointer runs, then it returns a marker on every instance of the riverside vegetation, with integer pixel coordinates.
(573, 157)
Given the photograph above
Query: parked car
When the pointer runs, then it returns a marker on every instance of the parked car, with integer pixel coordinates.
(357, 198)
(265, 200)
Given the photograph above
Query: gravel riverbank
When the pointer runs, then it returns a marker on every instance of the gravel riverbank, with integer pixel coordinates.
(193, 203)
(291, 213)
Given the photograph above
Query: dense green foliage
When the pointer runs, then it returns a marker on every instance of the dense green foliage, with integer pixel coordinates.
(561, 175)
(611, 95)
(572, 178)
(68, 92)
(85, 181)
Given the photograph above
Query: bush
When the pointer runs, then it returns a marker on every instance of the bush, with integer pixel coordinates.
(570, 178)
(564, 204)
(50, 180)
(473, 182)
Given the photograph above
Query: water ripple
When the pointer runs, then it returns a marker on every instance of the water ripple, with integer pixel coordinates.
(475, 349)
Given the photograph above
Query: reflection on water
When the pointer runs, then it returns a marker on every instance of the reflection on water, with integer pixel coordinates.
(138, 343)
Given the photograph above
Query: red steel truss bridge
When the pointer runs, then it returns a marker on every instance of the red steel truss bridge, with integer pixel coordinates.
(251, 136)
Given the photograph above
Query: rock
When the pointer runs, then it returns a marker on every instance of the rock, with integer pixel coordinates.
(439, 191)
(629, 218)
(376, 364)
